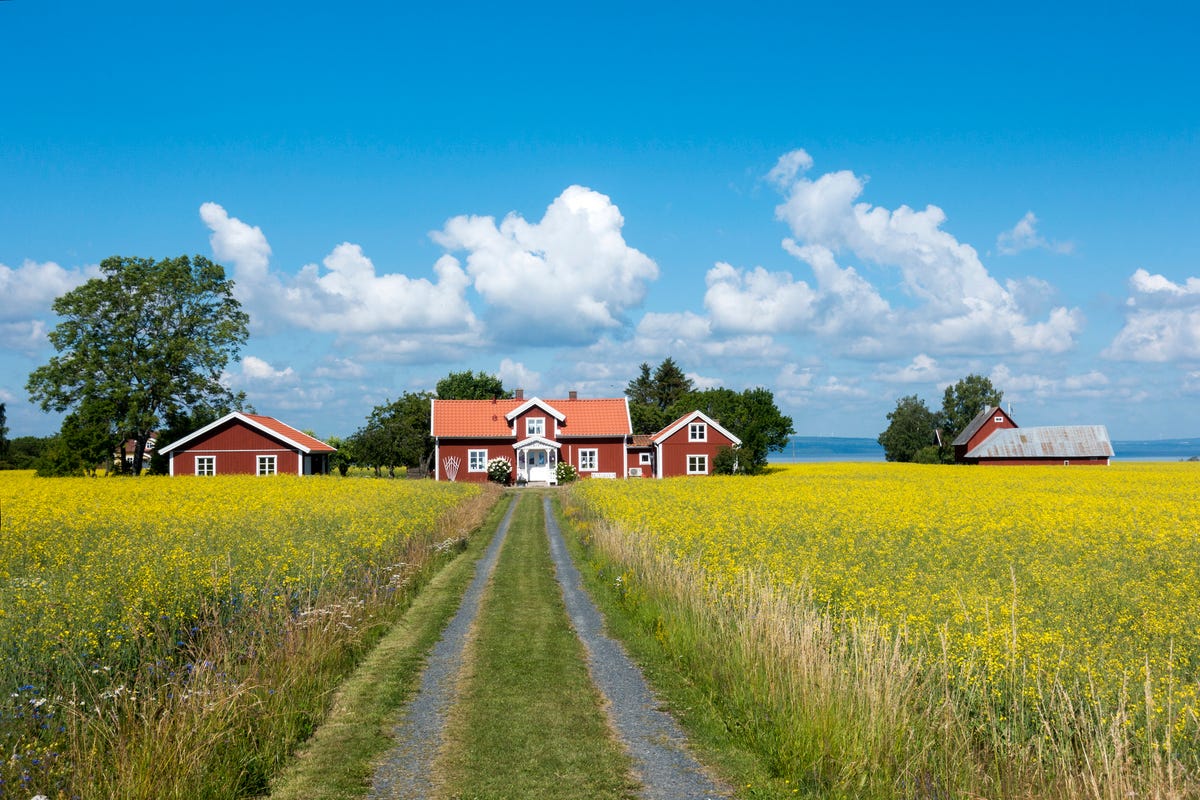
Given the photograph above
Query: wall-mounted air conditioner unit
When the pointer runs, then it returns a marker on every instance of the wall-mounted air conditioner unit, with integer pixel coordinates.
(635, 472)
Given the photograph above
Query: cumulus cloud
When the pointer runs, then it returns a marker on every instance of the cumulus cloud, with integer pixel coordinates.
(922, 369)
(340, 369)
(1090, 384)
(1024, 236)
(256, 369)
(1162, 321)
(25, 336)
(345, 294)
(574, 261)
(956, 304)
(31, 288)
(516, 375)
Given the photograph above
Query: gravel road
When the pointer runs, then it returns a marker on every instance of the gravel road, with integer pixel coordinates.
(658, 747)
(664, 766)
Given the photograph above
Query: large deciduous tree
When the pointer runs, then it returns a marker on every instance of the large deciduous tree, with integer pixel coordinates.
(912, 427)
(396, 434)
(145, 340)
(750, 415)
(469, 386)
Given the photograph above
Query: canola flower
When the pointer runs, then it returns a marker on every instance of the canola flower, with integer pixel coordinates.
(1028, 580)
(98, 576)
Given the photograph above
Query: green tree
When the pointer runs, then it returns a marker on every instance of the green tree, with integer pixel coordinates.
(750, 415)
(469, 386)
(963, 401)
(396, 434)
(911, 428)
(344, 458)
(652, 395)
(147, 339)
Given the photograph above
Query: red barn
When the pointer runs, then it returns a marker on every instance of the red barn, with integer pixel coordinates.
(993, 439)
(248, 444)
(689, 445)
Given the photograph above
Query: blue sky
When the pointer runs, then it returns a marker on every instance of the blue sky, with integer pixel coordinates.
(845, 205)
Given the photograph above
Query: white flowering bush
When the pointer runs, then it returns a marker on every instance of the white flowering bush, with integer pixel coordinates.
(499, 470)
(565, 472)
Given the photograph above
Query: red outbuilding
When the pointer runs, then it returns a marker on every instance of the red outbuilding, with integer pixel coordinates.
(994, 439)
(248, 444)
(689, 445)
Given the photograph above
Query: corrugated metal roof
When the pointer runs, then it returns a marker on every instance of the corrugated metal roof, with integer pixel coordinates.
(1057, 441)
(485, 418)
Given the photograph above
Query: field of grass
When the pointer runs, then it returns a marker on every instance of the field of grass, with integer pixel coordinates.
(199, 623)
(906, 631)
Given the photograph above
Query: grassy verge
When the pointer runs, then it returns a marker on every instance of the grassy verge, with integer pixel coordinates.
(338, 761)
(528, 721)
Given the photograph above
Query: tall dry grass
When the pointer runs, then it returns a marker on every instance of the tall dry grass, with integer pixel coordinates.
(845, 707)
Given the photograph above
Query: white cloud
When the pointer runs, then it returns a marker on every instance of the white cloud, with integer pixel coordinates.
(1162, 323)
(922, 369)
(347, 296)
(340, 369)
(26, 336)
(31, 289)
(1022, 386)
(1024, 236)
(256, 369)
(233, 240)
(516, 375)
(574, 262)
(958, 306)
(756, 300)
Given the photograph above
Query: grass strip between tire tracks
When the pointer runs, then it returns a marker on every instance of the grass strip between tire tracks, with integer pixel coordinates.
(528, 720)
(339, 760)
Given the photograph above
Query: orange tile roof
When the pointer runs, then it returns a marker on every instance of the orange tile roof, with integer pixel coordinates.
(288, 432)
(485, 418)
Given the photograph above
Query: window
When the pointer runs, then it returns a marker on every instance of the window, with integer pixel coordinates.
(535, 426)
(588, 460)
(206, 465)
(477, 461)
(266, 465)
(697, 465)
(644, 459)
(998, 419)
(697, 432)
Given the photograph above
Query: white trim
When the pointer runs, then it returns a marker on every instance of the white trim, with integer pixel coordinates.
(595, 453)
(258, 465)
(690, 456)
(248, 421)
(697, 427)
(196, 465)
(529, 434)
(645, 459)
(536, 441)
(687, 418)
(511, 416)
(485, 459)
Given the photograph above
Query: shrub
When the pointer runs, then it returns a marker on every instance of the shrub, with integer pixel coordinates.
(565, 472)
(499, 470)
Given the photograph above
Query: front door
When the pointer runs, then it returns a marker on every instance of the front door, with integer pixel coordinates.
(536, 464)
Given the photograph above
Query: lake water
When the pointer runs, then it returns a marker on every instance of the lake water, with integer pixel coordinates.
(808, 449)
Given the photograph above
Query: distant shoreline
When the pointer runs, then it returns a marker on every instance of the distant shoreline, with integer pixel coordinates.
(818, 449)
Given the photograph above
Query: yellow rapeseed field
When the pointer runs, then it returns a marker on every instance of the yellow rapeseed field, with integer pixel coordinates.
(102, 579)
(1028, 579)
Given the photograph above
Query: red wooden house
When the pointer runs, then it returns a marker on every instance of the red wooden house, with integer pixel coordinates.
(594, 435)
(689, 445)
(248, 444)
(993, 439)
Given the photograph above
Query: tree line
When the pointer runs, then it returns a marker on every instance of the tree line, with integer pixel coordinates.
(916, 433)
(141, 350)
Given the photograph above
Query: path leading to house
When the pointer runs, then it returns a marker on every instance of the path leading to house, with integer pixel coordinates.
(525, 696)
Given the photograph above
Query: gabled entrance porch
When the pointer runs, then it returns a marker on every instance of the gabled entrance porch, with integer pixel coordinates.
(537, 460)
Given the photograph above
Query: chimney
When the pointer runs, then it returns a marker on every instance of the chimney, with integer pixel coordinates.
(572, 395)
(519, 394)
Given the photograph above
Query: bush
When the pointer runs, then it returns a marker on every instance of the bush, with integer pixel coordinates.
(565, 472)
(928, 455)
(499, 470)
(725, 462)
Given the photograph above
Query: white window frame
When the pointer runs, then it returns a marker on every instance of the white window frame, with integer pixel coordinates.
(644, 458)
(697, 432)
(701, 461)
(589, 459)
(998, 419)
(477, 460)
(263, 461)
(535, 430)
(208, 461)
